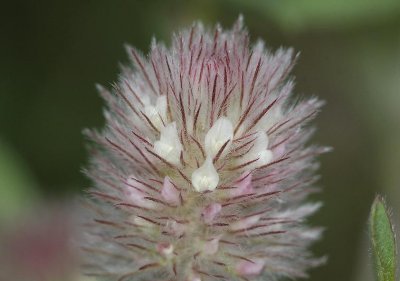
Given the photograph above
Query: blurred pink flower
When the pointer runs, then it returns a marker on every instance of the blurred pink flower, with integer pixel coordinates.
(38, 247)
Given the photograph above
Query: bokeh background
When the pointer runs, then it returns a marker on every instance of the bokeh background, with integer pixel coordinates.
(53, 52)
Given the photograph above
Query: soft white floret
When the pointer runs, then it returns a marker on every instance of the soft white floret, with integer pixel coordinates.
(205, 177)
(169, 146)
(217, 136)
(157, 113)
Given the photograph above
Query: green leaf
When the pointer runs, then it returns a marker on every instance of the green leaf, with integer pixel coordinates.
(17, 187)
(383, 241)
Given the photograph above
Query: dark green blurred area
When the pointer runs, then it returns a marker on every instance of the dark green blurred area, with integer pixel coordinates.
(52, 53)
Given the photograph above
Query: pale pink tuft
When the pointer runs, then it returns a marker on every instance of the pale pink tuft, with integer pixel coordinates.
(204, 167)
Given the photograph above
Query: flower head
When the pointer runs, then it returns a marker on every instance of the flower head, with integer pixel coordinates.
(203, 169)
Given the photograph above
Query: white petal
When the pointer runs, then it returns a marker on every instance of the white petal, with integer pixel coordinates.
(169, 146)
(161, 106)
(217, 136)
(264, 157)
(155, 113)
(259, 151)
(261, 142)
(205, 177)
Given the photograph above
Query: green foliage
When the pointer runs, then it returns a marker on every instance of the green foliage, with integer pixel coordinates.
(17, 190)
(383, 241)
(300, 15)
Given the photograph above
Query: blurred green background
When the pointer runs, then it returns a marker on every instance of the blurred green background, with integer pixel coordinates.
(53, 52)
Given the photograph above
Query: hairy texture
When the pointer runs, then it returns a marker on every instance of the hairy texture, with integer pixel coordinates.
(203, 168)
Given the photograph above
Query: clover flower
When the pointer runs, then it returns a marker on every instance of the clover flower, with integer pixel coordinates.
(203, 168)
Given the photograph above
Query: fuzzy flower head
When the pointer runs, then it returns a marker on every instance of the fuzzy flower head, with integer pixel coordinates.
(203, 169)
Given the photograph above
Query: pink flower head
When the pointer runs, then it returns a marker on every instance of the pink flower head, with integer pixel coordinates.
(203, 169)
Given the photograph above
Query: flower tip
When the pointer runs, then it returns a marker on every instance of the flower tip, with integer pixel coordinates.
(169, 192)
(165, 249)
(247, 268)
(99, 87)
(211, 247)
(210, 212)
(243, 185)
